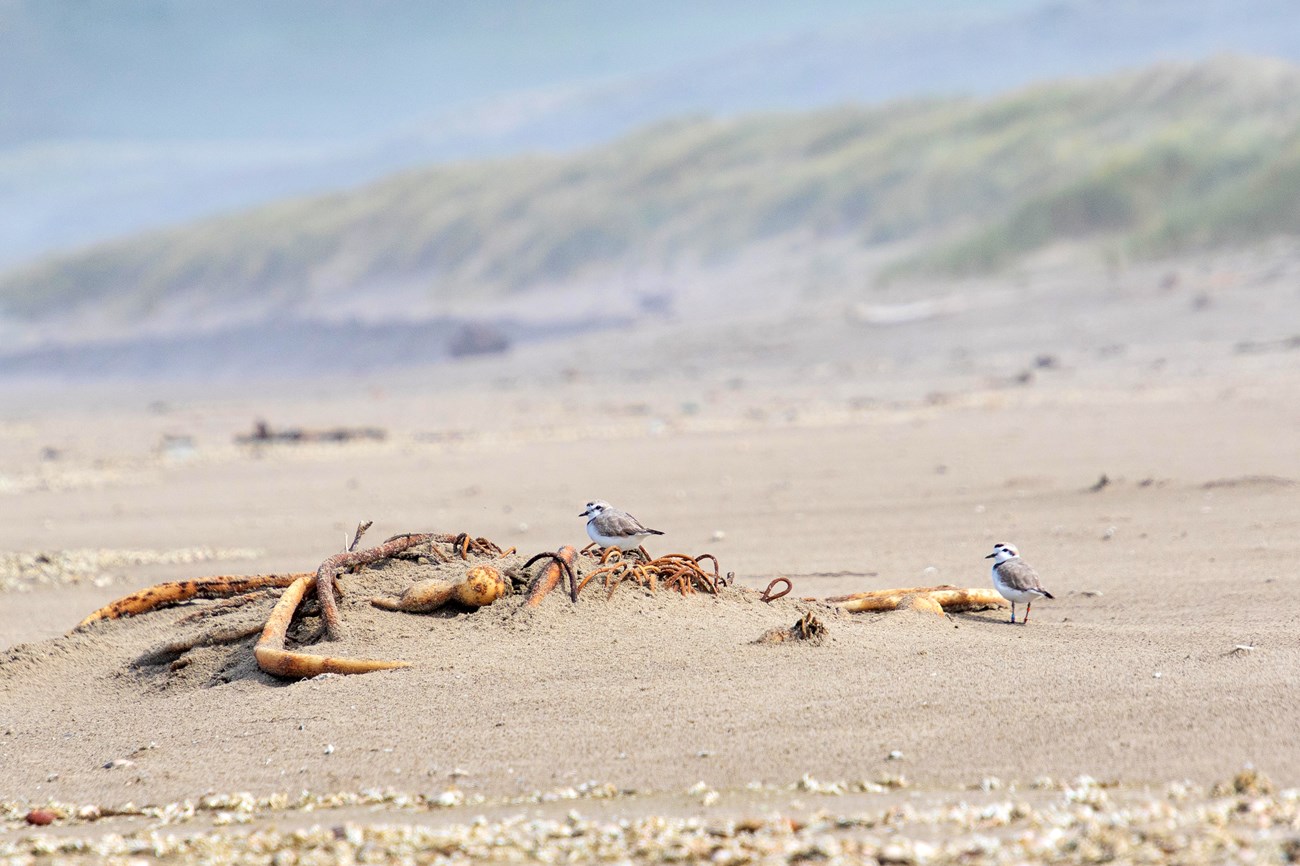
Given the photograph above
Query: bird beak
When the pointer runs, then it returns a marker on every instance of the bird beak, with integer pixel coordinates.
(991, 556)
(583, 514)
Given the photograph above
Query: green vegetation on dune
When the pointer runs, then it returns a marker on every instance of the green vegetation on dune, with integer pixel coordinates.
(1131, 199)
(1263, 200)
(1155, 161)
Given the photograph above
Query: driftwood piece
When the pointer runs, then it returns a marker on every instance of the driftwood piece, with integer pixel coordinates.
(177, 591)
(950, 598)
(273, 658)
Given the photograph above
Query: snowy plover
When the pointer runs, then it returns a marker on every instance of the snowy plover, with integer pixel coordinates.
(610, 527)
(1015, 579)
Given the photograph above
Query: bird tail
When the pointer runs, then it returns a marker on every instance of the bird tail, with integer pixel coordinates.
(655, 531)
(1048, 594)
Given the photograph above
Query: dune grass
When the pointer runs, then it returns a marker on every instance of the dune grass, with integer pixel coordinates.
(1160, 160)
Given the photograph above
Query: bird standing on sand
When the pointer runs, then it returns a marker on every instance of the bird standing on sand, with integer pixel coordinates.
(1015, 579)
(611, 527)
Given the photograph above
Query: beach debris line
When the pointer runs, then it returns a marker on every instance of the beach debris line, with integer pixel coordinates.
(263, 434)
(1079, 821)
(23, 570)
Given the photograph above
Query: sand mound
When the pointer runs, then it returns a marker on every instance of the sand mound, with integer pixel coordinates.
(636, 689)
(156, 683)
(209, 643)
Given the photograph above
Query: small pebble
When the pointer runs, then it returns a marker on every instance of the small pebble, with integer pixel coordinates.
(40, 817)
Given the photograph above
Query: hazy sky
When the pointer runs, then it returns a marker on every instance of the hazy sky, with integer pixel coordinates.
(119, 115)
(345, 68)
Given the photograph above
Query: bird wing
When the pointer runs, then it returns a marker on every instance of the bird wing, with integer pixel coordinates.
(620, 524)
(1020, 576)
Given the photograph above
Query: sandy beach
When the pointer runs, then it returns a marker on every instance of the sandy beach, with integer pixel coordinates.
(1168, 657)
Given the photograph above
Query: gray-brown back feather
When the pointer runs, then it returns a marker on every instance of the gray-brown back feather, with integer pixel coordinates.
(613, 523)
(1021, 576)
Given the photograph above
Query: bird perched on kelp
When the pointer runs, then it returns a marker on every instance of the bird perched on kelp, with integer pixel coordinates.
(612, 527)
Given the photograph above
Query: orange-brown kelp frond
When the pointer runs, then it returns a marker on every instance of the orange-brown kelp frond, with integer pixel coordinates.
(273, 658)
(683, 573)
(462, 544)
(177, 591)
(331, 568)
(561, 563)
(676, 571)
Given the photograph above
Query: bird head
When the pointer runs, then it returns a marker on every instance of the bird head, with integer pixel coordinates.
(1003, 552)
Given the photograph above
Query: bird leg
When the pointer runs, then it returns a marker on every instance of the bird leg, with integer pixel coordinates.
(1013, 612)
(1028, 605)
